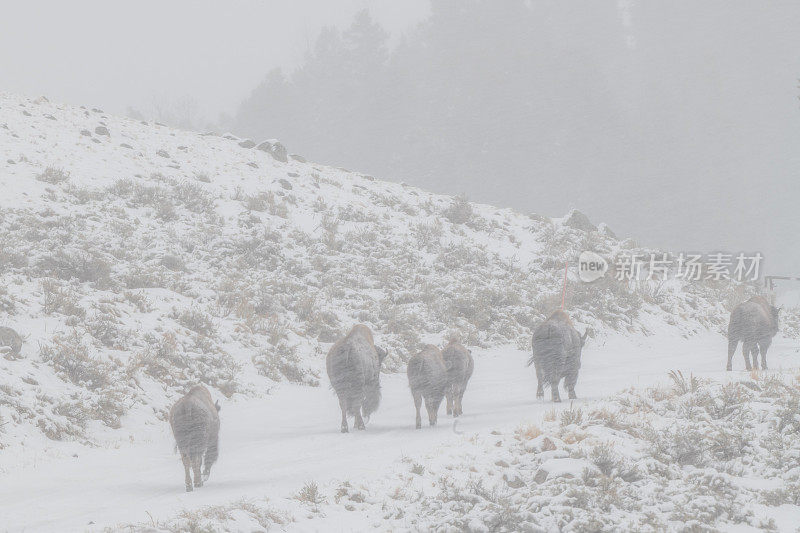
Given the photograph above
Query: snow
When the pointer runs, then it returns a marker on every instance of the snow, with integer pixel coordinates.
(271, 446)
(208, 268)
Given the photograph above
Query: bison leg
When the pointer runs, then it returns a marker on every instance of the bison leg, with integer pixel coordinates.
(418, 405)
(211, 457)
(187, 465)
(540, 379)
(747, 347)
(432, 405)
(359, 422)
(731, 350)
(457, 410)
(554, 390)
(763, 345)
(450, 401)
(569, 384)
(197, 463)
(343, 406)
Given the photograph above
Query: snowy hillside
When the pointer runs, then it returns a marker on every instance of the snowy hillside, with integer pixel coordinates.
(136, 260)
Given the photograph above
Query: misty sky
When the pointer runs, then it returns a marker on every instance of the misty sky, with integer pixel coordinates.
(714, 165)
(119, 54)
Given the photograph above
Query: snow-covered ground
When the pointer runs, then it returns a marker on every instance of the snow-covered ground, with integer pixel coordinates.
(138, 260)
(271, 447)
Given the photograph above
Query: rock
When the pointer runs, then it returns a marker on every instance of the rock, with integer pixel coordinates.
(50, 117)
(252, 164)
(10, 342)
(298, 158)
(546, 444)
(41, 100)
(102, 130)
(577, 220)
(247, 143)
(26, 113)
(95, 140)
(285, 184)
(274, 148)
(515, 482)
(86, 133)
(293, 174)
(162, 153)
(126, 145)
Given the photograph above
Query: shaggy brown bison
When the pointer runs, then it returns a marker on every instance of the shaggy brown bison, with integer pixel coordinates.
(557, 347)
(427, 378)
(753, 322)
(354, 368)
(460, 365)
(195, 424)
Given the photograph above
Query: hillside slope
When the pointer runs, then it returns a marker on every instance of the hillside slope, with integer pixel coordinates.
(136, 259)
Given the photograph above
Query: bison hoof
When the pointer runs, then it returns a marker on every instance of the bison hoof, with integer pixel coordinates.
(419, 426)
(189, 488)
(345, 429)
(729, 368)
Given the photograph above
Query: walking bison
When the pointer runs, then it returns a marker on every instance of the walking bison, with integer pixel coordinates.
(354, 369)
(557, 347)
(754, 323)
(195, 424)
(460, 365)
(428, 380)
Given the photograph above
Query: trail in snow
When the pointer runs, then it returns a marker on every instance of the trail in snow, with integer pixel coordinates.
(271, 446)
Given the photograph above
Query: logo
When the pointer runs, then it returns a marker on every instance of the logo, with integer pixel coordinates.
(591, 266)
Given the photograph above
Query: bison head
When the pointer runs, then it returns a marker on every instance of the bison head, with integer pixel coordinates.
(583, 337)
(381, 354)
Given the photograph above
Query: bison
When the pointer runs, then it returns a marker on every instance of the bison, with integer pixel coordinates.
(557, 347)
(195, 424)
(354, 369)
(753, 322)
(427, 378)
(460, 365)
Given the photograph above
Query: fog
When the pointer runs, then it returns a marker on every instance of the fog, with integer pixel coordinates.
(339, 265)
(677, 123)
